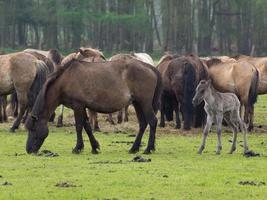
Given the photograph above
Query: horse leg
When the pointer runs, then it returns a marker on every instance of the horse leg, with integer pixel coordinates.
(244, 131)
(119, 116)
(60, 117)
(4, 108)
(219, 119)
(1, 108)
(177, 118)
(228, 120)
(94, 120)
(250, 118)
(126, 113)
(110, 119)
(79, 121)
(142, 126)
(205, 133)
(94, 144)
(16, 123)
(162, 111)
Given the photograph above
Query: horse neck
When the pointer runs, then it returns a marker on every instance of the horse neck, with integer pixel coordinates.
(51, 102)
(210, 97)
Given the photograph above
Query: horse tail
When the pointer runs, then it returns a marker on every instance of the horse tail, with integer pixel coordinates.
(188, 91)
(168, 108)
(158, 90)
(42, 71)
(253, 90)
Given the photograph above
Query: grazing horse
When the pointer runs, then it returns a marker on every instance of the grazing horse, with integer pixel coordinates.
(219, 106)
(180, 76)
(144, 57)
(104, 87)
(85, 54)
(239, 77)
(25, 74)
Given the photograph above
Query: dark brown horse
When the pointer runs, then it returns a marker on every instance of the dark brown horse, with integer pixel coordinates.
(102, 87)
(180, 76)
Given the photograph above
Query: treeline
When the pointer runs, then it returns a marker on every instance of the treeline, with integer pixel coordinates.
(200, 26)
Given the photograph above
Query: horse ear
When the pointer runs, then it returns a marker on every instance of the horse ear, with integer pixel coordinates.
(81, 50)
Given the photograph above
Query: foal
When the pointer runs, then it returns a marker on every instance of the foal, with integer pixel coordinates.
(219, 106)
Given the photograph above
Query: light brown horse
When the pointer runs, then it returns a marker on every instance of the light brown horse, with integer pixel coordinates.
(261, 64)
(25, 74)
(239, 77)
(104, 87)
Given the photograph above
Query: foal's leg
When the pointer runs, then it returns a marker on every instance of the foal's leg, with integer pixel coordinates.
(142, 127)
(60, 117)
(1, 108)
(93, 120)
(110, 119)
(94, 144)
(219, 119)
(228, 120)
(205, 133)
(244, 131)
(79, 121)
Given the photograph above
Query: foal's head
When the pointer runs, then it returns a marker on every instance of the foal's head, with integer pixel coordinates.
(201, 92)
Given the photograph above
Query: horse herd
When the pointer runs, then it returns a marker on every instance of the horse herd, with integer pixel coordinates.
(40, 81)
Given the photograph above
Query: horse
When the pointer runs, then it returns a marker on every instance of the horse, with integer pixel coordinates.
(239, 77)
(219, 106)
(104, 87)
(180, 77)
(86, 54)
(25, 74)
(144, 57)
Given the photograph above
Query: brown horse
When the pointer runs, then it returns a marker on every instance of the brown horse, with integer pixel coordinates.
(85, 54)
(25, 74)
(103, 87)
(239, 77)
(180, 77)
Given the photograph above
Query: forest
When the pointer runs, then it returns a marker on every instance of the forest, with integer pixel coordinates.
(204, 27)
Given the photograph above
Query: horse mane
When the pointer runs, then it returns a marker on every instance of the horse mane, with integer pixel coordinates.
(213, 61)
(239, 56)
(55, 56)
(39, 103)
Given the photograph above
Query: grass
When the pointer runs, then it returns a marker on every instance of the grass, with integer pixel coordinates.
(175, 170)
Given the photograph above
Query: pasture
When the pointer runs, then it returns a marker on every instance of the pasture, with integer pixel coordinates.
(176, 171)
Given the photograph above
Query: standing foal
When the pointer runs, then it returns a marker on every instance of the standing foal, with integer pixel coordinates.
(219, 106)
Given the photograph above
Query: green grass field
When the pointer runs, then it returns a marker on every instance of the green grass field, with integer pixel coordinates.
(175, 170)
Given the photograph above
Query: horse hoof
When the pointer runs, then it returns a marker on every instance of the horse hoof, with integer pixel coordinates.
(147, 151)
(76, 151)
(97, 129)
(12, 130)
(94, 151)
(218, 152)
(133, 151)
(59, 125)
(177, 127)
(161, 125)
